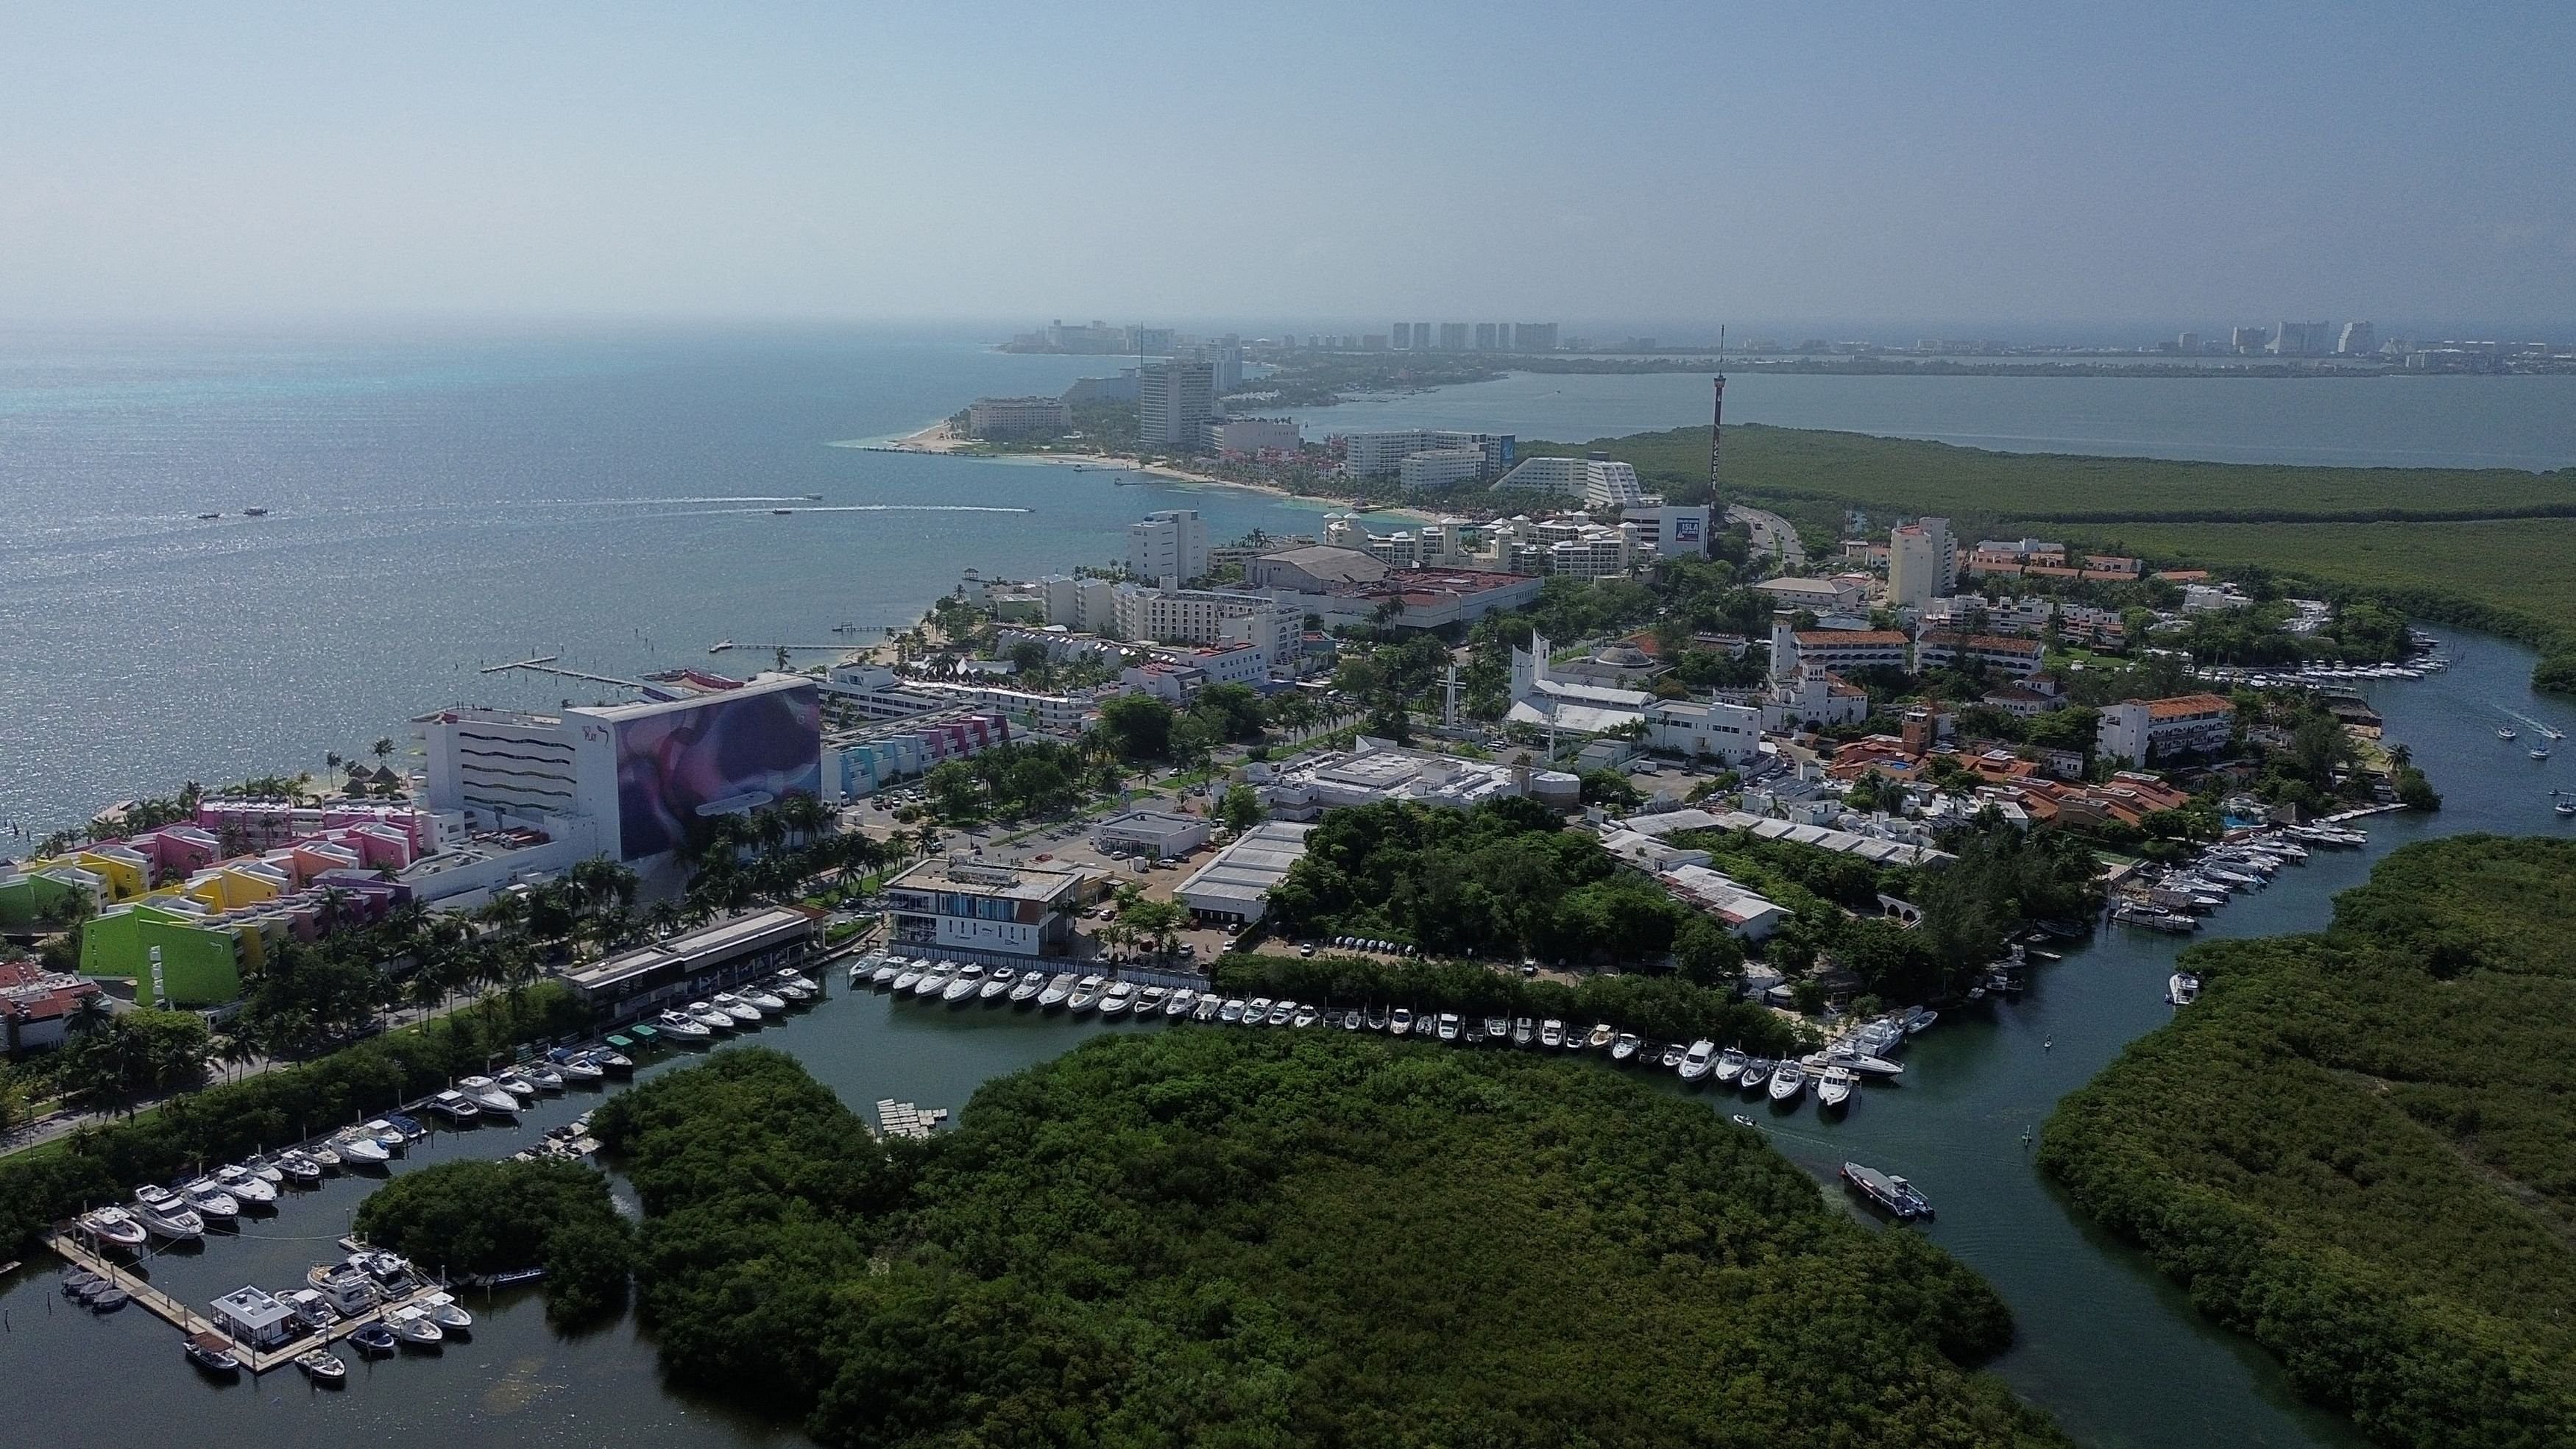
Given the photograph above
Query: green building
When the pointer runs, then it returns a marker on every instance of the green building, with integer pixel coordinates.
(200, 965)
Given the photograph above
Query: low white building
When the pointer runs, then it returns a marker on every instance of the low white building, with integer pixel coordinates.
(1377, 770)
(1745, 915)
(1236, 885)
(1156, 834)
(1726, 733)
(957, 904)
(1441, 467)
(1253, 435)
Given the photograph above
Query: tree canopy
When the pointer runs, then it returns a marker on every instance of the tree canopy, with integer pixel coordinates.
(495, 1217)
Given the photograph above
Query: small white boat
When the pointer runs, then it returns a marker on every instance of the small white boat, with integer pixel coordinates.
(2507, 732)
(245, 1185)
(299, 1166)
(1601, 1037)
(1551, 1033)
(489, 1096)
(1788, 1081)
(1180, 1003)
(389, 1135)
(2182, 988)
(1233, 1010)
(1257, 1012)
(164, 1215)
(114, 1227)
(578, 1067)
(1625, 1048)
(935, 980)
(1834, 1087)
(886, 971)
(684, 1026)
(1498, 1028)
(1115, 1001)
(210, 1201)
(1059, 990)
(413, 1326)
(322, 1366)
(963, 985)
(325, 1155)
(909, 977)
(1524, 1031)
(1281, 1012)
(793, 987)
(1447, 1026)
(456, 1107)
(265, 1170)
(711, 1016)
(540, 1076)
(1086, 994)
(1702, 1055)
(1863, 1063)
(1730, 1065)
(735, 1007)
(1028, 987)
(1401, 1023)
(766, 1003)
(997, 985)
(1209, 1007)
(1150, 1000)
(1307, 1015)
(1757, 1074)
(444, 1311)
(1674, 1054)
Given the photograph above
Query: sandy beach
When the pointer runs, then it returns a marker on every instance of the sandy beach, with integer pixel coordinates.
(941, 438)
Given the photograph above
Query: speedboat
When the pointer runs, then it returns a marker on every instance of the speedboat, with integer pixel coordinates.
(1474, 1035)
(1178, 1004)
(374, 1340)
(1354, 1019)
(1674, 1054)
(1730, 1066)
(324, 1155)
(1601, 1037)
(1888, 1191)
(684, 1026)
(1307, 1015)
(735, 1007)
(1574, 1039)
(413, 1326)
(711, 1016)
(245, 1185)
(538, 1075)
(1834, 1087)
(2507, 732)
(314, 1310)
(2182, 989)
(323, 1367)
(791, 987)
(1401, 1022)
(963, 985)
(114, 1227)
(212, 1353)
(1625, 1047)
(1551, 1033)
(1757, 1073)
(2540, 752)
(1696, 1062)
(1447, 1026)
(1740, 1120)
(882, 970)
(766, 1003)
(1233, 1010)
(935, 980)
(489, 1095)
(1257, 1012)
(1380, 1018)
(1282, 1012)
(1086, 994)
(299, 1167)
(576, 1066)
(210, 1201)
(610, 1060)
(1027, 988)
(1523, 1031)
(456, 1107)
(1788, 1081)
(1059, 990)
(1209, 1008)
(1498, 1028)
(391, 1272)
(342, 1288)
(909, 977)
(1150, 1000)
(1863, 1063)
(1115, 1001)
(997, 985)
(444, 1311)
(409, 1127)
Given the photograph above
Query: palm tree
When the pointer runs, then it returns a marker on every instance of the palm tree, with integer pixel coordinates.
(89, 1014)
(382, 747)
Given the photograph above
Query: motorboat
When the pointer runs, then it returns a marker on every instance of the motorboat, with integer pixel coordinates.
(342, 1289)
(1730, 1066)
(765, 1002)
(963, 986)
(1354, 1019)
(1674, 1054)
(324, 1154)
(1697, 1060)
(210, 1201)
(1498, 1028)
(1863, 1063)
(311, 1308)
(2507, 732)
(1210, 1007)
(538, 1075)
(1888, 1191)
(374, 1340)
(1834, 1087)
(1740, 1120)
(1233, 1010)
(1178, 1004)
(1524, 1031)
(684, 1026)
(79, 1281)
(576, 1066)
(1446, 1028)
(1401, 1023)
(1788, 1082)
(1380, 1018)
(1474, 1035)
(1282, 1012)
(888, 971)
(1115, 1001)
(910, 977)
(935, 980)
(997, 985)
(388, 1133)
(737, 1008)
(2540, 752)
(413, 1327)
(1919, 1018)
(391, 1272)
(792, 986)
(1625, 1047)
(323, 1367)
(1256, 1011)
(1601, 1037)
(489, 1095)
(1306, 1015)
(299, 1167)
(114, 1227)
(213, 1354)
(2182, 988)
(1058, 991)
(245, 1185)
(1575, 1040)
(1026, 989)
(455, 1107)
(108, 1298)
(1086, 994)
(1551, 1033)
(1149, 1001)
(610, 1060)
(1757, 1074)
(447, 1313)
(711, 1016)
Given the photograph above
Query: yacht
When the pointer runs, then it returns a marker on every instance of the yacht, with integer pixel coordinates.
(1601, 1037)
(1498, 1028)
(1281, 1012)
(1086, 994)
(488, 1095)
(539, 1075)
(1834, 1087)
(1379, 1018)
(1115, 1001)
(2507, 732)
(1210, 1007)
(765, 1002)
(997, 985)
(1730, 1066)
(883, 973)
(711, 1016)
(2540, 752)
(301, 1167)
(909, 977)
(455, 1107)
(1178, 1004)
(1625, 1047)
(210, 1201)
(114, 1227)
(1757, 1072)
(1447, 1026)
(2182, 989)
(576, 1066)
(1551, 1033)
(1026, 989)
(1524, 1031)
(611, 1061)
(342, 1289)
(791, 987)
(358, 1146)
(1058, 991)
(1232, 1012)
(163, 1215)
(1149, 1002)
(1788, 1081)
(245, 1185)
(935, 980)
(1401, 1023)
(1696, 1061)
(1888, 1191)
(444, 1311)
(741, 1012)
(517, 1083)
(413, 1326)
(1306, 1015)
(395, 1133)
(684, 1026)
(963, 986)
(1354, 1019)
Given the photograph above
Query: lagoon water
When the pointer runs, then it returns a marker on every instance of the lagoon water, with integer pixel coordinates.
(2105, 1343)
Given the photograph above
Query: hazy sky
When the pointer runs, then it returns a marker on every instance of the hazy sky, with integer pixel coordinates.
(1309, 162)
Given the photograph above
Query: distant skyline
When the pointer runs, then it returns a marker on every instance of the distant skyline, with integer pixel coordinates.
(2030, 172)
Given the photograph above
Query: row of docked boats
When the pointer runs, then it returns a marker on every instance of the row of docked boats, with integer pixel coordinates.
(746, 1008)
(2174, 900)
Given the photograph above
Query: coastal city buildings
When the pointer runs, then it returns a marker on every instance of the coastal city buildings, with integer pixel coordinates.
(1382, 455)
(1375, 770)
(984, 911)
(1169, 547)
(1018, 417)
(1175, 399)
(1235, 886)
(1595, 479)
(636, 983)
(1922, 562)
(1253, 437)
(2143, 731)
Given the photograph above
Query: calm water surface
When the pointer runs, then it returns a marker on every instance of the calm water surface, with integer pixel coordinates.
(2106, 1345)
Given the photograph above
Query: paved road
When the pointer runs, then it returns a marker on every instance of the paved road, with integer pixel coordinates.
(1771, 534)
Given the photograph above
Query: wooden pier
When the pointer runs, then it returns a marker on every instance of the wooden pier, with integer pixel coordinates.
(190, 1322)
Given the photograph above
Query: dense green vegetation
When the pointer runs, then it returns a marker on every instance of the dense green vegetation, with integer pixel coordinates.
(496, 1217)
(2360, 1146)
(1244, 1238)
(220, 1124)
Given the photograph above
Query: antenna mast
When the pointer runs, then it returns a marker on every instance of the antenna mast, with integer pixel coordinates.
(1717, 416)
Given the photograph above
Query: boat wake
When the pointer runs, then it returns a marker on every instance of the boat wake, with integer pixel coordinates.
(804, 507)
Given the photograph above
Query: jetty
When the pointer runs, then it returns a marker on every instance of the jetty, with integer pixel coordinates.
(192, 1323)
(903, 1119)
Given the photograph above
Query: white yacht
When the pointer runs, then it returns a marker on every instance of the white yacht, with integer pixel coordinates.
(1209, 1008)
(1696, 1061)
(735, 1007)
(1059, 990)
(245, 1185)
(711, 1016)
(1307, 1015)
(1834, 1086)
(1149, 1002)
(163, 1215)
(1788, 1081)
(488, 1095)
(909, 977)
(444, 1311)
(1232, 1011)
(888, 971)
(1524, 1031)
(1730, 1065)
(115, 1227)
(358, 1146)
(1601, 1037)
(1086, 994)
(997, 985)
(210, 1201)
(764, 1002)
(684, 1026)
(1402, 1022)
(1625, 1046)
(935, 980)
(1116, 1000)
(1281, 1012)
(456, 1107)
(963, 986)
(1258, 1012)
(1551, 1033)
(1179, 1003)
(1448, 1026)
(1030, 985)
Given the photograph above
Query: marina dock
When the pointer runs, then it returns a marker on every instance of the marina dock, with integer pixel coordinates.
(903, 1119)
(190, 1322)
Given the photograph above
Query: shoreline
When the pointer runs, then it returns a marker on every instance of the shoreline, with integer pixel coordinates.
(938, 441)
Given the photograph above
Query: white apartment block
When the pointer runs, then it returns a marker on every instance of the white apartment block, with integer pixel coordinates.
(1169, 548)
(1079, 603)
(1253, 435)
(1727, 733)
(1598, 481)
(1017, 417)
(1209, 616)
(1174, 400)
(1441, 467)
(1382, 455)
(1922, 560)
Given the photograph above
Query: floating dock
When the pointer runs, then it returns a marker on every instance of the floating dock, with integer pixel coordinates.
(903, 1119)
(190, 1322)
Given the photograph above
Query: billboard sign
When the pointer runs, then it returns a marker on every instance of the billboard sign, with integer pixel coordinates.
(715, 756)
